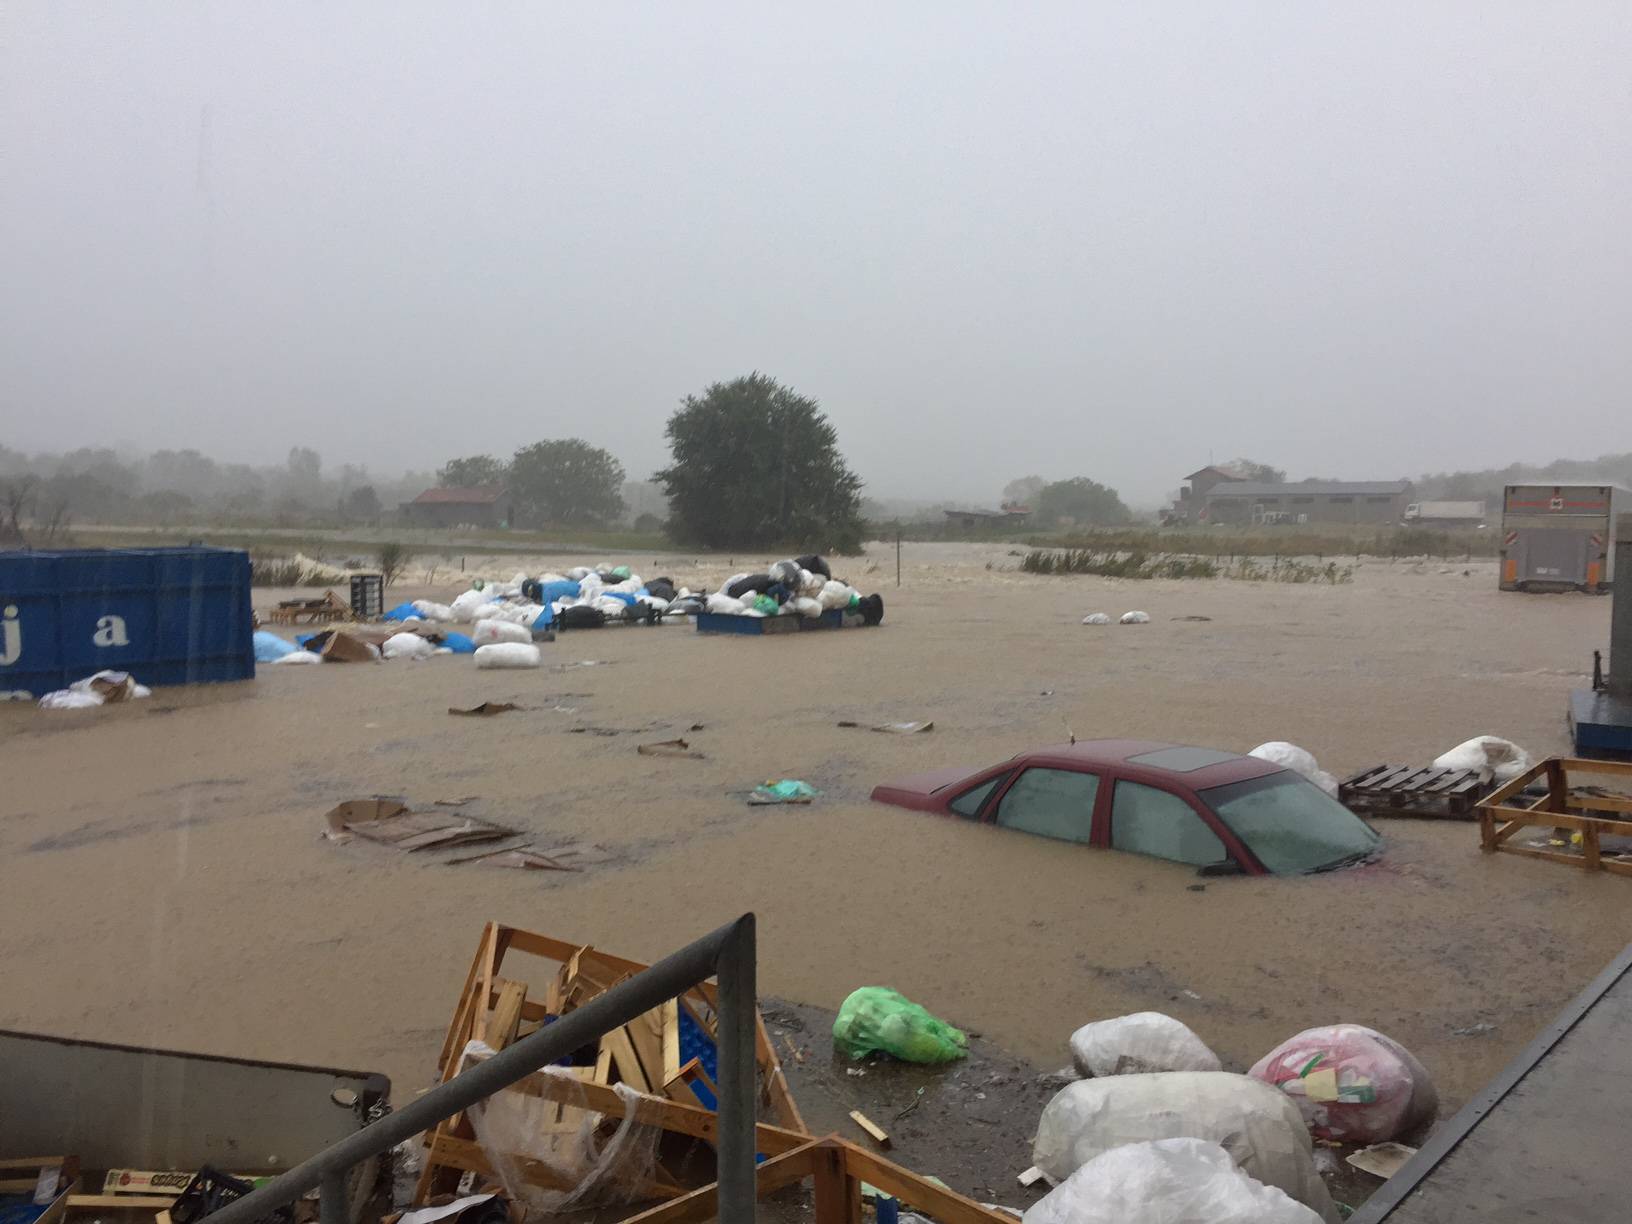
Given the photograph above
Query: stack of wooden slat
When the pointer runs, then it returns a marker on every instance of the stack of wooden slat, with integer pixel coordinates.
(666, 1053)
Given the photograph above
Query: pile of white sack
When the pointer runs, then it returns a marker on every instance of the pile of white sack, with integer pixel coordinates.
(801, 586)
(1298, 760)
(1160, 1134)
(104, 688)
(543, 602)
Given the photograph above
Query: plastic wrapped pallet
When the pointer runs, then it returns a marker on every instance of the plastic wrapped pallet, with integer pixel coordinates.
(1144, 1041)
(507, 655)
(491, 631)
(1166, 1181)
(1493, 758)
(1259, 1127)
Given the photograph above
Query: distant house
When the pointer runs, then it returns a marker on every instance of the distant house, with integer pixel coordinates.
(975, 520)
(1312, 501)
(479, 506)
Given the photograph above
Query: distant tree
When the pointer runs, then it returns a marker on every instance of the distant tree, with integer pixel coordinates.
(471, 471)
(362, 503)
(1081, 501)
(1024, 491)
(392, 559)
(566, 480)
(1250, 469)
(754, 465)
(648, 524)
(18, 497)
(165, 505)
(305, 465)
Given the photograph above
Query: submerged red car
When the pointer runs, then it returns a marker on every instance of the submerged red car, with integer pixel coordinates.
(1221, 812)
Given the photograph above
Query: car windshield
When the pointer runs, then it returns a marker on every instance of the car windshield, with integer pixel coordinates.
(1291, 824)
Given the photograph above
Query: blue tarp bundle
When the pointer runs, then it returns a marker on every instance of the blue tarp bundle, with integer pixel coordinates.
(402, 612)
(269, 647)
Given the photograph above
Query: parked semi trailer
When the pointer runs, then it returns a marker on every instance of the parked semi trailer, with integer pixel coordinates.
(1560, 537)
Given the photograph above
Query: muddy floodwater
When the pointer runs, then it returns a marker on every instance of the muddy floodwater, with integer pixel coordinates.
(163, 879)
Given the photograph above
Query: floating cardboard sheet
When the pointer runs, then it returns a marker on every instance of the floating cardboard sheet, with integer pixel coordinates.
(671, 748)
(525, 857)
(1381, 1159)
(894, 728)
(391, 823)
(486, 710)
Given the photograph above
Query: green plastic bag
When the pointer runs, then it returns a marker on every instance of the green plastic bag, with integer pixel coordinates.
(620, 572)
(767, 605)
(878, 1019)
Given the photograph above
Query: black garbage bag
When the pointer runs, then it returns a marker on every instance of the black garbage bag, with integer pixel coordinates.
(756, 584)
(581, 617)
(663, 588)
(871, 608)
(533, 589)
(814, 564)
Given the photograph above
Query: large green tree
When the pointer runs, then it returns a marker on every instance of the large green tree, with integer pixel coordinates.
(1082, 501)
(566, 480)
(755, 465)
(471, 471)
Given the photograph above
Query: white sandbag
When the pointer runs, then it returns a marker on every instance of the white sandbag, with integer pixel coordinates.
(433, 611)
(1096, 618)
(70, 699)
(805, 606)
(503, 655)
(1135, 618)
(490, 631)
(1167, 1181)
(579, 572)
(1298, 760)
(513, 613)
(466, 603)
(1257, 1125)
(810, 585)
(1493, 758)
(111, 686)
(723, 604)
(546, 579)
(297, 657)
(655, 602)
(1144, 1041)
(407, 646)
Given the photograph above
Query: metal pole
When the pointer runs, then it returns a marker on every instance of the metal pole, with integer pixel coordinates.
(739, 1091)
(331, 1204)
(898, 556)
(669, 978)
(1620, 612)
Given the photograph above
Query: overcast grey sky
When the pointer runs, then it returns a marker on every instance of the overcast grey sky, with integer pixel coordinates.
(1356, 240)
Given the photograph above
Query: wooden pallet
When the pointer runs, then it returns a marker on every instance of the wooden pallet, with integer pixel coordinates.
(1404, 790)
(311, 611)
(1563, 808)
(644, 1055)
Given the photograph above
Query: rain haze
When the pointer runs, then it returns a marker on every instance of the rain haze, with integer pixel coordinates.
(1354, 241)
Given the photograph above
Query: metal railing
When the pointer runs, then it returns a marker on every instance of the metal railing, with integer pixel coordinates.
(727, 953)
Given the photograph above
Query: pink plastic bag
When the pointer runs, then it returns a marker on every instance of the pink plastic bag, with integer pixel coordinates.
(1352, 1084)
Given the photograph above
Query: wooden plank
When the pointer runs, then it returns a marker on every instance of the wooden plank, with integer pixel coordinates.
(651, 1110)
(1508, 830)
(1364, 777)
(838, 1195)
(1589, 848)
(771, 1175)
(776, 1083)
(1553, 856)
(1564, 820)
(603, 1065)
(1406, 779)
(938, 1202)
(625, 1059)
(458, 1030)
(535, 944)
(1502, 794)
(467, 1155)
(648, 1046)
(670, 1034)
(1583, 765)
(505, 1018)
(874, 1131)
(1601, 803)
(682, 1087)
(1558, 788)
(109, 1202)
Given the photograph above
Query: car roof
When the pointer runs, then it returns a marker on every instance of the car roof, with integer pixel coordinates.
(1195, 768)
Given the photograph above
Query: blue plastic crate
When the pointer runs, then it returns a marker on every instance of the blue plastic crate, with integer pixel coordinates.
(720, 622)
(166, 615)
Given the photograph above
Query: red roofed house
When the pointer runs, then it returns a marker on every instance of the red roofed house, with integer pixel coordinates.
(478, 506)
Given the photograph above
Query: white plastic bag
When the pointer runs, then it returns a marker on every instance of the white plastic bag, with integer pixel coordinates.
(1136, 618)
(805, 606)
(432, 611)
(508, 655)
(1144, 1041)
(835, 594)
(488, 632)
(297, 657)
(465, 604)
(70, 699)
(1257, 1125)
(1493, 758)
(1167, 1181)
(1352, 1083)
(1096, 618)
(1299, 761)
(723, 604)
(407, 646)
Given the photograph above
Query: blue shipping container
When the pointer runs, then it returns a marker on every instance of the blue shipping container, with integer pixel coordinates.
(165, 615)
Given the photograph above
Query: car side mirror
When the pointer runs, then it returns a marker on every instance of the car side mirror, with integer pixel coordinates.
(1224, 867)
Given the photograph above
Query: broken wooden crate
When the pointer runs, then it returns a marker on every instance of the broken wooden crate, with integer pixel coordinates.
(668, 1055)
(325, 610)
(1403, 790)
(1565, 809)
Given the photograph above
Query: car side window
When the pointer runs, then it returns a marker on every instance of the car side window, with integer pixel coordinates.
(1052, 803)
(969, 803)
(1148, 820)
